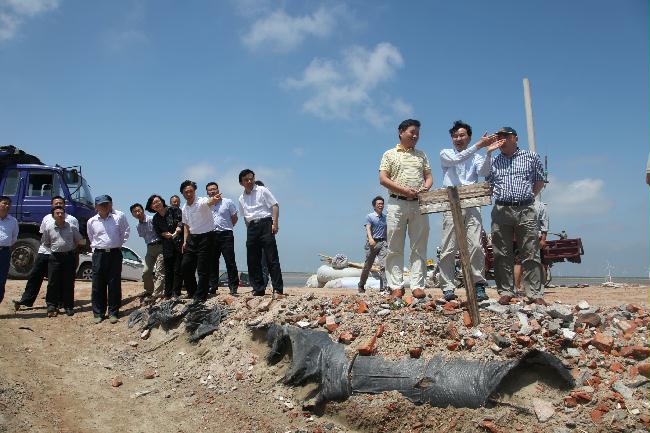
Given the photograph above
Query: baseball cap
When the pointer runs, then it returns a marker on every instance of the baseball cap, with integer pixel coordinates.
(101, 199)
(506, 130)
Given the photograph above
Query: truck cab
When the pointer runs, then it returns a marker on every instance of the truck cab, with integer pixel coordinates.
(31, 187)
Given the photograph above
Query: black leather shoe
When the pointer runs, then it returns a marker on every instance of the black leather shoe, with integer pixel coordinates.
(69, 312)
(256, 293)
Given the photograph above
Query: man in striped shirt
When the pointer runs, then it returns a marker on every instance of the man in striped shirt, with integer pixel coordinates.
(516, 176)
(405, 171)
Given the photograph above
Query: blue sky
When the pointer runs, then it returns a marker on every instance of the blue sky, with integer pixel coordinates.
(144, 94)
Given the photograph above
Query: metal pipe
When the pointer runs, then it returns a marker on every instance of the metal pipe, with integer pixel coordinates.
(529, 117)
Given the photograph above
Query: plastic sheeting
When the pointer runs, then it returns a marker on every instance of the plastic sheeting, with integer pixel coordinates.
(327, 273)
(200, 320)
(437, 381)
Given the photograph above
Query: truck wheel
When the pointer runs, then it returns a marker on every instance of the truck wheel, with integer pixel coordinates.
(23, 257)
(85, 271)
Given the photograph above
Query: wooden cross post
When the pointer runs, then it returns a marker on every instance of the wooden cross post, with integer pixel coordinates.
(454, 199)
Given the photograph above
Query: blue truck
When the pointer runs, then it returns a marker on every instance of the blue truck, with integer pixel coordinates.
(31, 185)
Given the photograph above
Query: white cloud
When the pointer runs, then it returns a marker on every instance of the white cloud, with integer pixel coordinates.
(579, 197)
(129, 32)
(280, 31)
(298, 151)
(249, 8)
(200, 172)
(14, 12)
(340, 89)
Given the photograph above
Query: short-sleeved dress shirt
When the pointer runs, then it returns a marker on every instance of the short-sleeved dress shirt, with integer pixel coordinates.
(405, 166)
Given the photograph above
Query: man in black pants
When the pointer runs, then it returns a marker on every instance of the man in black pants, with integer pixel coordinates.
(261, 213)
(62, 239)
(198, 240)
(225, 217)
(107, 232)
(39, 271)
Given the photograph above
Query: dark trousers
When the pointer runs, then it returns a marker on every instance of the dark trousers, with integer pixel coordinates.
(5, 256)
(60, 280)
(107, 282)
(198, 258)
(173, 274)
(35, 280)
(265, 270)
(224, 244)
(260, 238)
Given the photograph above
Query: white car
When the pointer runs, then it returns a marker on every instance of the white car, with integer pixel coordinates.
(132, 266)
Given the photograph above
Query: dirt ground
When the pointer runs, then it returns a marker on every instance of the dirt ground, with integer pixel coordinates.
(57, 374)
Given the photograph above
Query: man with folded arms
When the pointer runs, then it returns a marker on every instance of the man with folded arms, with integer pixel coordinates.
(107, 231)
(516, 176)
(61, 239)
(405, 171)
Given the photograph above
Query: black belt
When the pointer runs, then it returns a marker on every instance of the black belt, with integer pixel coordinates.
(515, 203)
(379, 239)
(260, 220)
(155, 242)
(401, 197)
(106, 250)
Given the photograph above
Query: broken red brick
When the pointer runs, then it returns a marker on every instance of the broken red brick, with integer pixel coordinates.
(489, 426)
(331, 327)
(116, 382)
(149, 374)
(596, 415)
(602, 342)
(450, 306)
(346, 337)
(322, 320)
(380, 331)
(418, 293)
(632, 371)
(570, 402)
(632, 308)
(469, 343)
(453, 346)
(581, 396)
(466, 319)
(336, 300)
(524, 340)
(642, 368)
(368, 348)
(415, 352)
(534, 325)
(229, 299)
(239, 376)
(362, 307)
(636, 352)
(397, 293)
(408, 300)
(589, 319)
(616, 367)
(452, 332)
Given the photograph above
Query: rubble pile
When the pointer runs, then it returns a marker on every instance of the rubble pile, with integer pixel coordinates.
(605, 348)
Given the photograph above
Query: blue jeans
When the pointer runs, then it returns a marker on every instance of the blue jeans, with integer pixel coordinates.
(5, 256)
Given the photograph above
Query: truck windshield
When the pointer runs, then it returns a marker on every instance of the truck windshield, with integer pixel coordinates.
(80, 191)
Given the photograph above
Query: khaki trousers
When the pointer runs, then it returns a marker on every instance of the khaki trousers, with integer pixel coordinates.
(508, 221)
(402, 217)
(473, 226)
(153, 274)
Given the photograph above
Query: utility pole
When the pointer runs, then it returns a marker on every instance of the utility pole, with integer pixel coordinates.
(529, 116)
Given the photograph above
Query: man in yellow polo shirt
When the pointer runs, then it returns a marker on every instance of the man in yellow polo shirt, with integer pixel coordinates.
(405, 171)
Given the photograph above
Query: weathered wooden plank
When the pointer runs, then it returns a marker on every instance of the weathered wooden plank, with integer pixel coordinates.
(461, 239)
(478, 194)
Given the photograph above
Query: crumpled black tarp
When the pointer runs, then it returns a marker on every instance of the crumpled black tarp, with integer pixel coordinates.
(200, 320)
(437, 381)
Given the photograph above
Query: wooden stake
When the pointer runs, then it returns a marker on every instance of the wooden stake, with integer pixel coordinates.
(461, 241)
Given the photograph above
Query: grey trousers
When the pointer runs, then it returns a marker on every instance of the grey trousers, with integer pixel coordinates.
(473, 226)
(378, 250)
(519, 221)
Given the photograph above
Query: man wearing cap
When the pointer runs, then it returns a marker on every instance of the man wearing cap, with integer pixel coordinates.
(107, 232)
(462, 165)
(153, 275)
(516, 177)
(406, 172)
